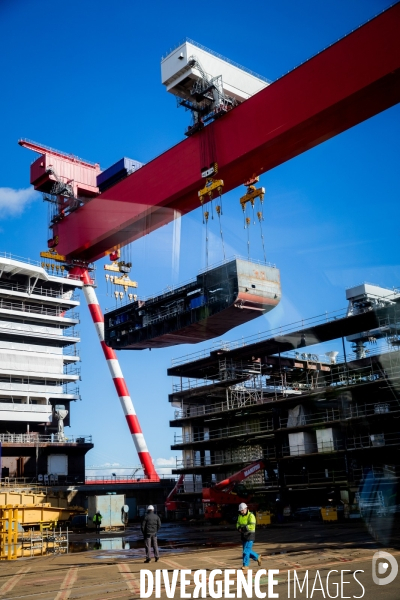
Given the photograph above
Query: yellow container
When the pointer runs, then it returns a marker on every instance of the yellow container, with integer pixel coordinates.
(329, 513)
(263, 517)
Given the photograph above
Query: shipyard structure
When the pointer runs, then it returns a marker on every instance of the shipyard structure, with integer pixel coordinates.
(39, 373)
(324, 420)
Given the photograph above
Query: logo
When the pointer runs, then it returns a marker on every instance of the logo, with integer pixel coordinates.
(380, 565)
(252, 470)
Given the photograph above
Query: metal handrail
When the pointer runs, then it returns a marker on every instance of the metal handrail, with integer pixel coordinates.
(71, 351)
(331, 414)
(190, 384)
(38, 291)
(217, 55)
(312, 448)
(37, 309)
(110, 479)
(64, 332)
(199, 410)
(59, 152)
(36, 438)
(321, 477)
(225, 432)
(373, 440)
(234, 459)
(38, 264)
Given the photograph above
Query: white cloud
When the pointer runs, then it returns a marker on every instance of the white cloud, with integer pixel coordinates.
(164, 466)
(13, 202)
(165, 462)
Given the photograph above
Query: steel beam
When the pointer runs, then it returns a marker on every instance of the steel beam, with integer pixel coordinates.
(349, 82)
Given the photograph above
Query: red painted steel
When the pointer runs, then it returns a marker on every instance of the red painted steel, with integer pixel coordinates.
(80, 174)
(349, 82)
(116, 374)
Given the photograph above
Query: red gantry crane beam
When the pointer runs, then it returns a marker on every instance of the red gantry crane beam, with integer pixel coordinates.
(352, 80)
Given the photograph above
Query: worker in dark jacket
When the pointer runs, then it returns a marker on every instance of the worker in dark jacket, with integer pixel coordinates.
(150, 525)
(246, 524)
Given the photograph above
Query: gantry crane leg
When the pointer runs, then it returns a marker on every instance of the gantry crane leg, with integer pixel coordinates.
(116, 373)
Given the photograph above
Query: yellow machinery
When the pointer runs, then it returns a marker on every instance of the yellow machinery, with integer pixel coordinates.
(8, 532)
(36, 507)
(263, 517)
(329, 513)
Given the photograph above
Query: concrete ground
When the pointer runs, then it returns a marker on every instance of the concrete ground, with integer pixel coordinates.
(112, 570)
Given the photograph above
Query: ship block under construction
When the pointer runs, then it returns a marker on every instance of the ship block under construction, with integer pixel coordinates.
(217, 300)
(326, 425)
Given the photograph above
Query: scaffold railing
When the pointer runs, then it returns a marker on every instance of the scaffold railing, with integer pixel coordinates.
(246, 429)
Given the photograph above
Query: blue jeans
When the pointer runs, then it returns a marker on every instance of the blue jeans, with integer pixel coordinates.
(248, 553)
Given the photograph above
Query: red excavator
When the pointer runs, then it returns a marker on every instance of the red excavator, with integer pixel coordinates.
(219, 500)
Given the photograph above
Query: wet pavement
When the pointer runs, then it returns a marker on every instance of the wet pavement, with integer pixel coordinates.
(110, 565)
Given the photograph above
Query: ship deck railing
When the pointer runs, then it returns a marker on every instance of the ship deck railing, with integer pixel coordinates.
(36, 263)
(37, 438)
(39, 291)
(38, 309)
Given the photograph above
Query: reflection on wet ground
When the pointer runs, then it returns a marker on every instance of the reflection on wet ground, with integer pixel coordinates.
(173, 538)
(283, 538)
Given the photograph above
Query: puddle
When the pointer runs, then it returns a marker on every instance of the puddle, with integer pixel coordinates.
(134, 546)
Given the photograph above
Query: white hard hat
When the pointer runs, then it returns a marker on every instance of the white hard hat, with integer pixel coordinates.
(150, 507)
(242, 506)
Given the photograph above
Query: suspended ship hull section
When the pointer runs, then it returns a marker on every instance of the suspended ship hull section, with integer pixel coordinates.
(218, 300)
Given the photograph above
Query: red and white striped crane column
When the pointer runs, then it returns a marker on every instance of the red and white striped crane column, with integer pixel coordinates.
(116, 373)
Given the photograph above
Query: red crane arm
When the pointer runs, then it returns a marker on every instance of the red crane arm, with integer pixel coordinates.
(352, 80)
(175, 489)
(240, 475)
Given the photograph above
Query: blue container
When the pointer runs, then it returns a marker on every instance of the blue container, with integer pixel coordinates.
(117, 171)
(197, 302)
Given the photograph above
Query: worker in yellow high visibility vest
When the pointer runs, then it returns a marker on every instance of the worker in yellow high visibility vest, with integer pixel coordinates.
(246, 524)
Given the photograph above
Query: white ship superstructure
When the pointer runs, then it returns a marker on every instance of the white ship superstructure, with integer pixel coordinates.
(39, 361)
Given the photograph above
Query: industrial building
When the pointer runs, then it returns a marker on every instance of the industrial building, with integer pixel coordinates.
(39, 373)
(324, 422)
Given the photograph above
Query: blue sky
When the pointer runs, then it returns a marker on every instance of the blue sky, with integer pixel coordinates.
(84, 77)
